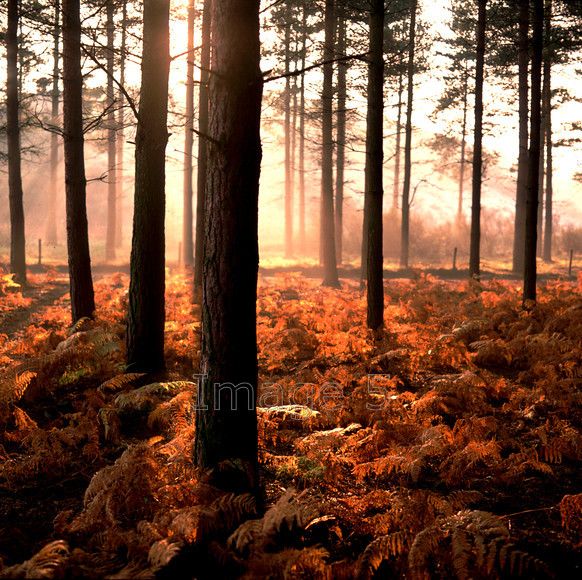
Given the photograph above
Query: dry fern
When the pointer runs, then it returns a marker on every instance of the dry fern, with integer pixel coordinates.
(44, 564)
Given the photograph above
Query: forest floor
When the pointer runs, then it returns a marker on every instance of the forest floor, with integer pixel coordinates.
(449, 447)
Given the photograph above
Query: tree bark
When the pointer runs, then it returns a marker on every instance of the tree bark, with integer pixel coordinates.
(111, 136)
(374, 157)
(51, 223)
(121, 130)
(463, 144)
(226, 424)
(202, 146)
(82, 296)
(330, 276)
(396, 190)
(287, 106)
(547, 98)
(302, 135)
(15, 194)
(529, 278)
(188, 193)
(474, 258)
(405, 224)
(521, 192)
(146, 317)
(340, 154)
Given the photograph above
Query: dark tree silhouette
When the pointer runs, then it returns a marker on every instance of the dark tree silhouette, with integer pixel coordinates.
(15, 194)
(529, 274)
(145, 325)
(405, 227)
(226, 423)
(82, 295)
(474, 258)
(340, 155)
(188, 193)
(202, 146)
(521, 192)
(330, 276)
(374, 186)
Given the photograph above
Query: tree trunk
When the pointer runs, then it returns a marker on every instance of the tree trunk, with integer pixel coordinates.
(287, 128)
(463, 144)
(226, 424)
(474, 258)
(111, 136)
(547, 99)
(330, 277)
(121, 131)
(521, 192)
(302, 136)
(405, 225)
(202, 146)
(17, 239)
(51, 224)
(374, 157)
(529, 278)
(145, 325)
(396, 190)
(341, 138)
(188, 193)
(82, 296)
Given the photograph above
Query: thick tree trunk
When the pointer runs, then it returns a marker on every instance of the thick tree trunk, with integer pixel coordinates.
(474, 258)
(405, 224)
(330, 277)
(374, 157)
(17, 239)
(529, 278)
(188, 193)
(111, 136)
(341, 138)
(82, 296)
(121, 131)
(226, 424)
(146, 317)
(202, 146)
(51, 223)
(521, 192)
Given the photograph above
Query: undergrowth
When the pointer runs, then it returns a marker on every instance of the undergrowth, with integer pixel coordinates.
(449, 448)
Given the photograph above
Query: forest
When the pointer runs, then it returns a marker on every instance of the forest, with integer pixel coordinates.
(290, 289)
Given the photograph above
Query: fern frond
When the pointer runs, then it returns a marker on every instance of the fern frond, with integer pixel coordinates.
(13, 386)
(120, 382)
(161, 552)
(380, 549)
(44, 564)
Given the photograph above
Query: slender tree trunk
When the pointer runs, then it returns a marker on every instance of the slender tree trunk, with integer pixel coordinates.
(474, 258)
(82, 296)
(188, 194)
(341, 138)
(547, 254)
(529, 278)
(146, 317)
(202, 145)
(547, 115)
(541, 175)
(463, 144)
(51, 223)
(17, 239)
(330, 276)
(302, 136)
(396, 191)
(405, 226)
(374, 157)
(521, 192)
(287, 105)
(121, 130)
(111, 136)
(226, 423)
